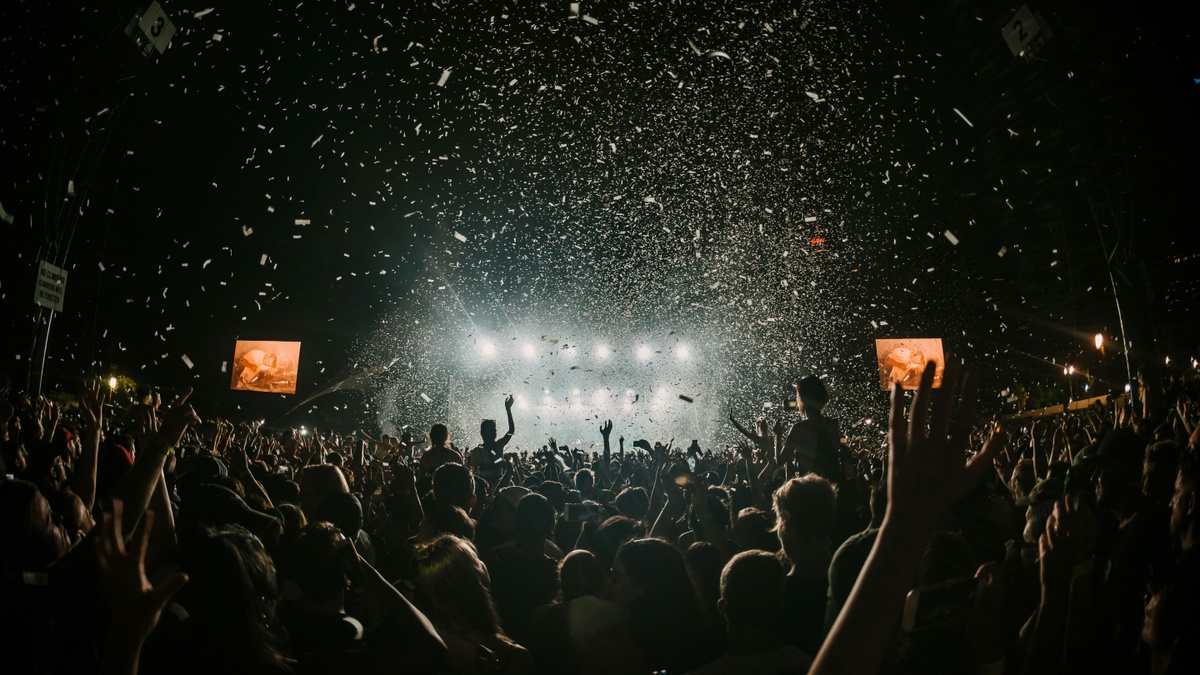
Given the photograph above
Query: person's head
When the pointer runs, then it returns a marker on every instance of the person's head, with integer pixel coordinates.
(317, 483)
(344, 511)
(585, 479)
(1183, 501)
(580, 575)
(1159, 471)
(752, 530)
(1023, 479)
(633, 502)
(487, 430)
(31, 534)
(230, 598)
(752, 589)
(611, 535)
(77, 521)
(456, 582)
(650, 575)
(1122, 456)
(454, 485)
(650, 581)
(812, 395)
(314, 565)
(805, 508)
(703, 561)
(446, 519)
(439, 434)
(1172, 626)
(715, 501)
(535, 519)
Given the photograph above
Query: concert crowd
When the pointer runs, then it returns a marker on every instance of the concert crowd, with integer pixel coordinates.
(141, 538)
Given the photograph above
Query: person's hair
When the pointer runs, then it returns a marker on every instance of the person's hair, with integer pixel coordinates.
(585, 478)
(451, 519)
(806, 505)
(439, 434)
(609, 537)
(535, 518)
(633, 502)
(453, 485)
(318, 482)
(580, 575)
(752, 588)
(703, 562)
(665, 619)
(813, 394)
(450, 573)
(230, 597)
(313, 562)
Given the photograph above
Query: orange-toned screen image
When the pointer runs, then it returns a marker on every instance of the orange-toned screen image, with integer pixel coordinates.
(902, 360)
(270, 367)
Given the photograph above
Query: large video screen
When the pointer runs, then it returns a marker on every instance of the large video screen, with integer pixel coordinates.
(265, 366)
(903, 359)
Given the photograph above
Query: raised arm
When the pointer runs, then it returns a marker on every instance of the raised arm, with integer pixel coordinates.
(926, 474)
(508, 404)
(91, 402)
(136, 488)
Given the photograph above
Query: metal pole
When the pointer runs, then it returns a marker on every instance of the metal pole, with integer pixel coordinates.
(45, 345)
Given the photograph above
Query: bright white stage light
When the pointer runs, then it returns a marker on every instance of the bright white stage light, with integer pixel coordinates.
(682, 352)
(644, 353)
(602, 351)
(529, 351)
(522, 403)
(574, 392)
(487, 348)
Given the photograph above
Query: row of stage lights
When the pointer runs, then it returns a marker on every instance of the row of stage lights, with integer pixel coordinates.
(600, 399)
(681, 352)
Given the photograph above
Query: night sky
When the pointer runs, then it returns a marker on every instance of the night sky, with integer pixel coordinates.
(772, 185)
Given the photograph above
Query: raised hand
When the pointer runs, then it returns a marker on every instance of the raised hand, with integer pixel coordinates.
(606, 428)
(91, 402)
(927, 472)
(136, 603)
(553, 445)
(177, 419)
(508, 402)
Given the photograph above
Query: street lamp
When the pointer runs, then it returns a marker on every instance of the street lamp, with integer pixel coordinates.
(112, 383)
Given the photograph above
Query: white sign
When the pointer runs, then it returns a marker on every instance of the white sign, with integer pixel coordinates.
(157, 28)
(50, 287)
(1025, 32)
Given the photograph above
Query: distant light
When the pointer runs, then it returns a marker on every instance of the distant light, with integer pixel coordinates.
(1071, 370)
(1168, 360)
(682, 352)
(602, 351)
(868, 422)
(488, 348)
(522, 402)
(574, 392)
(1099, 340)
(112, 383)
(529, 351)
(644, 353)
(1087, 387)
(303, 431)
(1128, 387)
